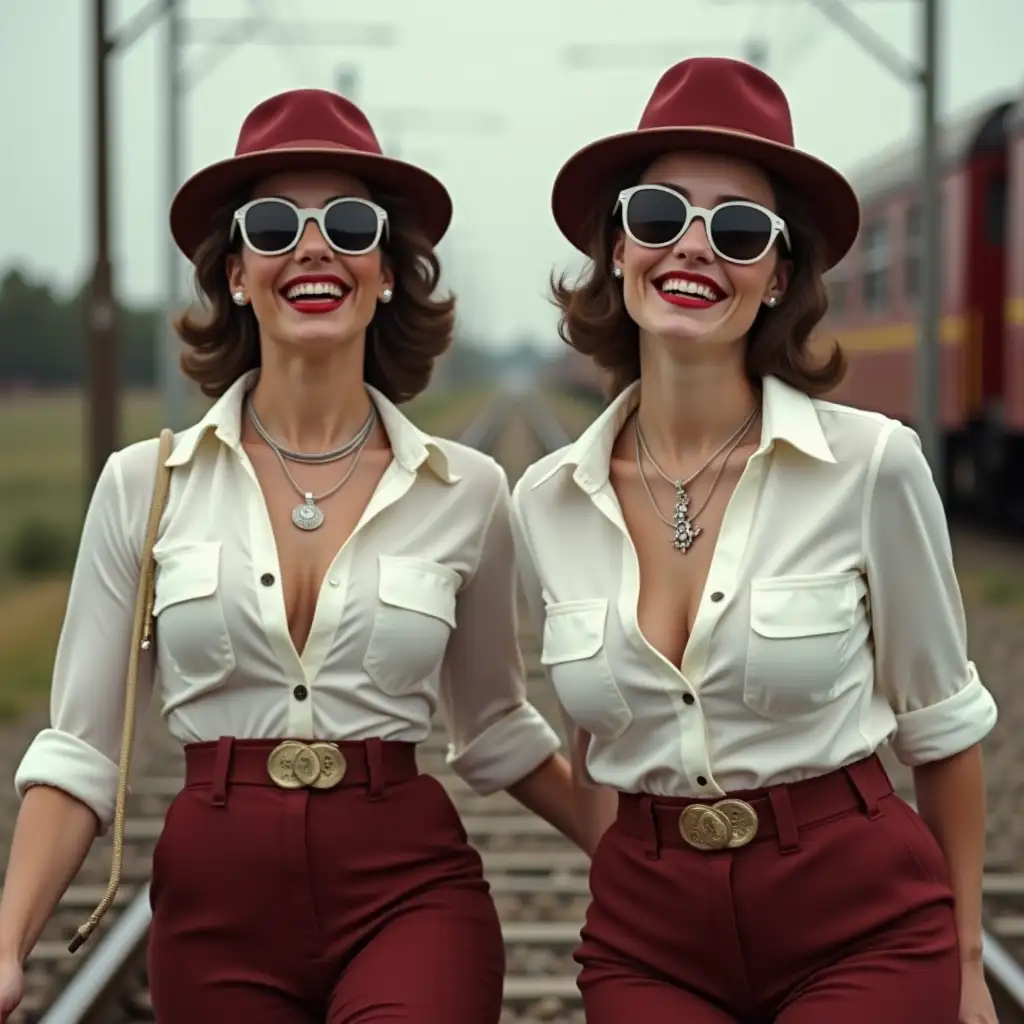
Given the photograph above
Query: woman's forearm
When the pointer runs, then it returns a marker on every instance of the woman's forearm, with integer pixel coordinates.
(952, 802)
(51, 839)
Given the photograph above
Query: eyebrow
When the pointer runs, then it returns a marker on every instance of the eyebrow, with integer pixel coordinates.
(295, 202)
(685, 193)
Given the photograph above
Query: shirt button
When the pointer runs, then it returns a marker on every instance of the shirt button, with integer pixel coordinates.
(267, 579)
(688, 698)
(300, 692)
(717, 596)
(701, 781)
(334, 583)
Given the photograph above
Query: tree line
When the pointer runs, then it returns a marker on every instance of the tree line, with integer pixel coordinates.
(43, 339)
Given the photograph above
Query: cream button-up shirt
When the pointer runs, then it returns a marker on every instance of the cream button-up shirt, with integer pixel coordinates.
(831, 620)
(417, 610)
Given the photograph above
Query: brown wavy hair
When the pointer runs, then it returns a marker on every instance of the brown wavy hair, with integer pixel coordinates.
(595, 322)
(403, 340)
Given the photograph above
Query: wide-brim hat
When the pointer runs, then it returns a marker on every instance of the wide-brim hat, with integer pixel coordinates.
(305, 129)
(718, 105)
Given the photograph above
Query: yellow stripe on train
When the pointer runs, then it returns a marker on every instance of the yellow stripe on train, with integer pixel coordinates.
(953, 331)
(1015, 312)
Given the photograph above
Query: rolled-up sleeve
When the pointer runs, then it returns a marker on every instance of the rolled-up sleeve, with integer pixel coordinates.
(80, 750)
(497, 736)
(917, 613)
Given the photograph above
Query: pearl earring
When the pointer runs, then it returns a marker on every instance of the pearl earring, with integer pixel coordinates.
(239, 298)
(385, 296)
(772, 301)
(616, 271)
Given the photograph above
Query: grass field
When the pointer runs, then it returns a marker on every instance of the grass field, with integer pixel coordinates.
(42, 500)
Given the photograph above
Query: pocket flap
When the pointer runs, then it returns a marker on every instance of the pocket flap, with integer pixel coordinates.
(419, 585)
(573, 630)
(793, 606)
(187, 572)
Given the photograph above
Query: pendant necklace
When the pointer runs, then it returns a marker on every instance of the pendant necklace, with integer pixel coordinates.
(682, 523)
(309, 515)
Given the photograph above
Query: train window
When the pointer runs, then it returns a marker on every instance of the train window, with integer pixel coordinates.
(912, 253)
(875, 260)
(995, 210)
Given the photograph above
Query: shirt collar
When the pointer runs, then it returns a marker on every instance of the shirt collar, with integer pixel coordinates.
(411, 446)
(787, 415)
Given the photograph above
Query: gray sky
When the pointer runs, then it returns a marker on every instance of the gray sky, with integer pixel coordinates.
(468, 55)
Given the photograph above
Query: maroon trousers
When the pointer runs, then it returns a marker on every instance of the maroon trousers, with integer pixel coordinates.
(359, 904)
(838, 912)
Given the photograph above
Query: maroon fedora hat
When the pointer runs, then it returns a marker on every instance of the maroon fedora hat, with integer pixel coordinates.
(305, 129)
(718, 105)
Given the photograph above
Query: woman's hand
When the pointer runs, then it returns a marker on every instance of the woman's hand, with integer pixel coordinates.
(12, 988)
(976, 1005)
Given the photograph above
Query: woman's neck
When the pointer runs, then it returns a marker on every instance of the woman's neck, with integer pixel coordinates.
(312, 406)
(689, 409)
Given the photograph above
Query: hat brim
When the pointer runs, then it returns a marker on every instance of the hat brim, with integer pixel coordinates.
(199, 198)
(829, 196)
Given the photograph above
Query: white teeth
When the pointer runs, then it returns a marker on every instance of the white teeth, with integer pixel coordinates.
(315, 290)
(678, 284)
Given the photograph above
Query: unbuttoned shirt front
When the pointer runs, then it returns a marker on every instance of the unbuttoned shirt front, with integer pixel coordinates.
(416, 610)
(830, 623)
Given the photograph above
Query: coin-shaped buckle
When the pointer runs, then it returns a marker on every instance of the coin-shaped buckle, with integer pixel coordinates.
(306, 765)
(332, 765)
(281, 763)
(742, 819)
(704, 828)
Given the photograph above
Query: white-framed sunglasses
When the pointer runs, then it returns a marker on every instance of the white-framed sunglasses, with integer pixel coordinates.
(272, 226)
(738, 230)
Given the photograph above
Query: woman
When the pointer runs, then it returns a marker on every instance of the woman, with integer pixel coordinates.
(745, 591)
(326, 572)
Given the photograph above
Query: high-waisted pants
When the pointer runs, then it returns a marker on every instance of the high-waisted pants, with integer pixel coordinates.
(361, 904)
(838, 912)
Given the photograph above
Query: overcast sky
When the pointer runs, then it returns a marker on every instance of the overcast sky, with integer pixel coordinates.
(458, 58)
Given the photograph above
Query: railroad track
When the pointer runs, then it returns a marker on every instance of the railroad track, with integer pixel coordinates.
(539, 880)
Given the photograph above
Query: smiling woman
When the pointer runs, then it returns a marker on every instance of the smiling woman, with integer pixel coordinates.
(327, 576)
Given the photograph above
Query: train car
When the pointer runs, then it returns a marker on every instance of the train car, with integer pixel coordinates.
(875, 293)
(1014, 356)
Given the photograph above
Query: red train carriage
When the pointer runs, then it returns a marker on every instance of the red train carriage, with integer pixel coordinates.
(1014, 357)
(876, 290)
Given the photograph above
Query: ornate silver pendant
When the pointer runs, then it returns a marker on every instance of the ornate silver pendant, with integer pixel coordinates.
(685, 532)
(307, 516)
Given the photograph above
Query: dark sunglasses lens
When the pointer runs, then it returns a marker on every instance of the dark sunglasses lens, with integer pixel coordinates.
(655, 217)
(352, 227)
(271, 226)
(741, 232)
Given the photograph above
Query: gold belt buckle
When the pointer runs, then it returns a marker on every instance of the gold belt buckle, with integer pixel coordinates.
(727, 824)
(294, 765)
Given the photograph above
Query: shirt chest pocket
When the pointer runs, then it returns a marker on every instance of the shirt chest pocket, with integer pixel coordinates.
(413, 620)
(193, 641)
(800, 629)
(574, 653)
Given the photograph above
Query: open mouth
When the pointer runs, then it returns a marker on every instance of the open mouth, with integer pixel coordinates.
(688, 290)
(315, 295)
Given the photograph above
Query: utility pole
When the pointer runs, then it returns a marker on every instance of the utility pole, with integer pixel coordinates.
(922, 76)
(102, 367)
(169, 375)
(929, 343)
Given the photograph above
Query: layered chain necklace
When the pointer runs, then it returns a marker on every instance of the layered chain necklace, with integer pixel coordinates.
(308, 515)
(682, 523)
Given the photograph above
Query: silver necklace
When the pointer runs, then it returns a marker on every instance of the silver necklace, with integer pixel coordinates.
(316, 458)
(682, 523)
(308, 515)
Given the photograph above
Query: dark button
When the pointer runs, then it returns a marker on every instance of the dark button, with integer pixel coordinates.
(267, 579)
(701, 781)
(300, 692)
(688, 698)
(717, 596)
